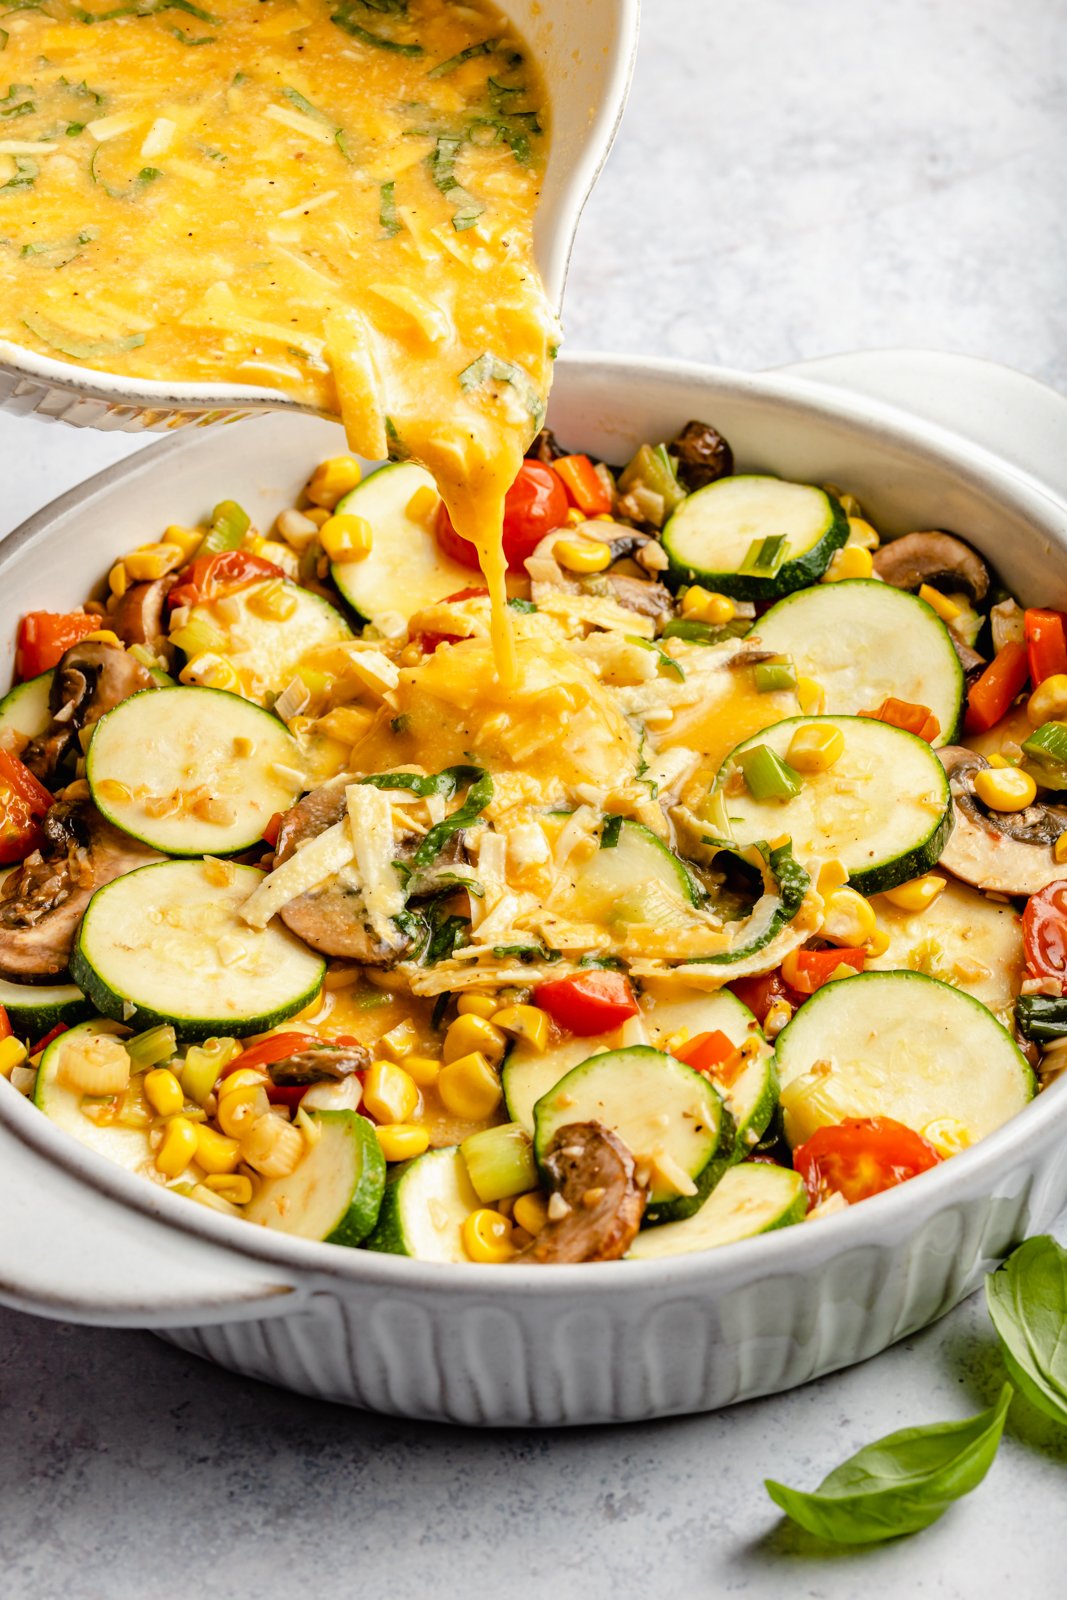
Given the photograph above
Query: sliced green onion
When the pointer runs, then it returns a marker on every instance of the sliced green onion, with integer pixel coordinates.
(196, 636)
(777, 674)
(765, 557)
(229, 524)
(500, 1162)
(1041, 1017)
(653, 469)
(150, 1048)
(1047, 747)
(667, 662)
(387, 214)
(706, 632)
(768, 777)
(304, 106)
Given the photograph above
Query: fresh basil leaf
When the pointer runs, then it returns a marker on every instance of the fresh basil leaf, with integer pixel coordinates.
(899, 1484)
(479, 794)
(1027, 1300)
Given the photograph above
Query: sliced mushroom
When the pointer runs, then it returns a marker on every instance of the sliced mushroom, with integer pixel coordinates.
(332, 917)
(595, 1175)
(969, 659)
(138, 617)
(1004, 852)
(936, 558)
(643, 595)
(331, 1064)
(42, 901)
(90, 679)
(703, 455)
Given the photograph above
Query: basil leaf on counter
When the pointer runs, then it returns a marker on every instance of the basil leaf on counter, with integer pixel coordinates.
(1027, 1300)
(899, 1484)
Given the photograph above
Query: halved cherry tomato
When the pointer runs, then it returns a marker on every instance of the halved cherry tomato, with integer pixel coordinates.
(760, 993)
(861, 1157)
(1046, 644)
(210, 577)
(22, 802)
(583, 485)
(589, 1002)
(279, 1047)
(991, 696)
(287, 1094)
(536, 504)
(430, 641)
(6, 1030)
(53, 1033)
(1045, 933)
(706, 1050)
(807, 970)
(45, 636)
(905, 714)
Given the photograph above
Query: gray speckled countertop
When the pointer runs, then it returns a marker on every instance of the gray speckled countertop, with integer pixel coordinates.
(791, 180)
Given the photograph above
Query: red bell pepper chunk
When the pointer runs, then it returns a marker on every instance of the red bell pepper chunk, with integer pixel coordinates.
(583, 485)
(278, 1047)
(287, 1094)
(45, 636)
(991, 696)
(1046, 644)
(22, 802)
(53, 1033)
(211, 577)
(760, 993)
(706, 1050)
(272, 830)
(912, 718)
(807, 970)
(589, 1002)
(6, 1030)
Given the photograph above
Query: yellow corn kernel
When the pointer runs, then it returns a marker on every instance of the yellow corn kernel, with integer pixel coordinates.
(163, 1092)
(423, 504)
(582, 555)
(470, 1087)
(316, 514)
(811, 697)
(178, 1147)
(211, 671)
(109, 789)
(1059, 849)
(470, 1033)
(400, 1041)
(275, 601)
(918, 894)
(401, 1141)
(851, 561)
(187, 540)
(877, 944)
(487, 1237)
(946, 609)
(1006, 789)
(815, 748)
(997, 760)
(524, 1022)
(778, 1014)
(215, 1152)
(231, 1186)
(104, 636)
(12, 1054)
(117, 581)
(332, 480)
(272, 1147)
(832, 875)
(423, 1069)
(701, 605)
(848, 919)
(476, 1005)
(947, 1135)
(1048, 703)
(153, 561)
(390, 1093)
(531, 1211)
(239, 1109)
(860, 531)
(347, 538)
(575, 518)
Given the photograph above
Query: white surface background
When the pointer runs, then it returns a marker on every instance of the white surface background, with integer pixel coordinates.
(793, 179)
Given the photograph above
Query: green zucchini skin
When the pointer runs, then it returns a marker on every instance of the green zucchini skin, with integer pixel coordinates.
(34, 1012)
(751, 1199)
(342, 1178)
(785, 878)
(440, 1175)
(25, 709)
(796, 573)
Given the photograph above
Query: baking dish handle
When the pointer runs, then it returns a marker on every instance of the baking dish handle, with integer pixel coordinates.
(71, 1252)
(1018, 419)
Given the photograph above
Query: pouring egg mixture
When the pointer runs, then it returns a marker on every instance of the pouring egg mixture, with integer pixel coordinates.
(744, 902)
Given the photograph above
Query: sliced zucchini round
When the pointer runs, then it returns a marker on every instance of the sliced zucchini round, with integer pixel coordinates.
(864, 642)
(127, 1147)
(25, 709)
(963, 938)
(34, 1011)
(901, 1045)
(884, 808)
(266, 650)
(406, 568)
(336, 1192)
(753, 537)
(167, 944)
(666, 1114)
(426, 1204)
(224, 764)
(633, 877)
(752, 1198)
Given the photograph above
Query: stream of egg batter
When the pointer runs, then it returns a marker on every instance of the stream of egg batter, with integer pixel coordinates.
(332, 198)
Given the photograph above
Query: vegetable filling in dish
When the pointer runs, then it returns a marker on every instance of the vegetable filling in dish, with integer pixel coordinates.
(745, 901)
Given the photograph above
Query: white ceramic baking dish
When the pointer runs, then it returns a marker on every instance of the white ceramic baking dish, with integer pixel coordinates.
(82, 1240)
(586, 49)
